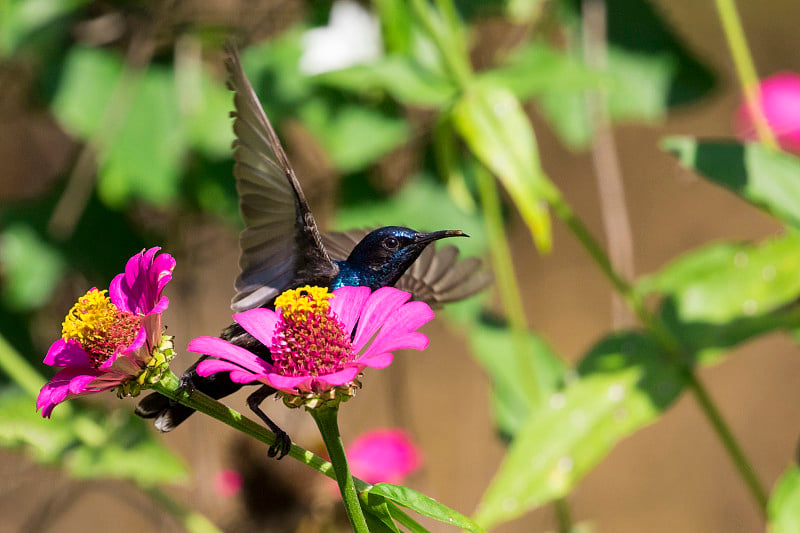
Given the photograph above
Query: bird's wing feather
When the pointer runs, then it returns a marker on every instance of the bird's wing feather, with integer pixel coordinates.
(280, 236)
(437, 277)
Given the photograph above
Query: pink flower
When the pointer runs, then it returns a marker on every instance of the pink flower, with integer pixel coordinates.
(780, 104)
(386, 455)
(319, 341)
(109, 341)
(227, 483)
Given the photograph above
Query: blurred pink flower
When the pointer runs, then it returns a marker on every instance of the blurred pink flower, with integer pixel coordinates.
(780, 102)
(227, 483)
(386, 455)
(319, 346)
(110, 341)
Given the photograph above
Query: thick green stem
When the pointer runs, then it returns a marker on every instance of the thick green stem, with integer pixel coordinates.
(745, 70)
(563, 517)
(670, 344)
(326, 419)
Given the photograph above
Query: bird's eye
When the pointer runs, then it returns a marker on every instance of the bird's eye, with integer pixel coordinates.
(391, 243)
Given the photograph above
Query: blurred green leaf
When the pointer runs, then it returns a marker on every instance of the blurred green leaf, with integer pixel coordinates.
(766, 178)
(421, 203)
(131, 117)
(639, 85)
(20, 18)
(566, 113)
(539, 68)
(423, 505)
(31, 268)
(46, 440)
(724, 294)
(406, 81)
(354, 136)
(784, 503)
(624, 384)
(493, 347)
(88, 442)
(206, 103)
(496, 129)
(128, 450)
(722, 282)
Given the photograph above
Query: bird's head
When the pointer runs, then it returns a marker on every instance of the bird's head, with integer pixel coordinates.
(386, 253)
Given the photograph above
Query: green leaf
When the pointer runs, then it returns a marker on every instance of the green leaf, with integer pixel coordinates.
(205, 104)
(493, 347)
(722, 282)
(128, 450)
(131, 117)
(21, 18)
(782, 511)
(354, 136)
(46, 440)
(539, 68)
(424, 505)
(496, 129)
(624, 384)
(724, 294)
(376, 511)
(766, 178)
(31, 268)
(639, 85)
(421, 204)
(406, 81)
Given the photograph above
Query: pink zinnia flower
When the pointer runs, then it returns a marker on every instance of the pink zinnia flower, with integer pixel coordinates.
(319, 341)
(780, 104)
(111, 341)
(385, 455)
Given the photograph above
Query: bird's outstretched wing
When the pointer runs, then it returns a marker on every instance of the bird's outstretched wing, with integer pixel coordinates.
(437, 277)
(280, 238)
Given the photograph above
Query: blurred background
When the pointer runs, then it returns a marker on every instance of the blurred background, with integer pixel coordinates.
(114, 136)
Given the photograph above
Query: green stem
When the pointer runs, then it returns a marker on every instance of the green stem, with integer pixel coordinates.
(745, 70)
(444, 35)
(326, 419)
(563, 515)
(506, 281)
(169, 386)
(670, 344)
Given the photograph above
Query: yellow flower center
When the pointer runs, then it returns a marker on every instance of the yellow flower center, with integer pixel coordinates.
(99, 326)
(297, 304)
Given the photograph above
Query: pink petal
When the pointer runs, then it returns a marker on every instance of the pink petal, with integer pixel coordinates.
(260, 323)
(376, 360)
(341, 377)
(66, 383)
(289, 384)
(208, 367)
(66, 353)
(398, 331)
(347, 305)
(380, 305)
(383, 456)
(230, 352)
(138, 289)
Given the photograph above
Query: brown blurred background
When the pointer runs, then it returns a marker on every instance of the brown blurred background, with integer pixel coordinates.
(670, 477)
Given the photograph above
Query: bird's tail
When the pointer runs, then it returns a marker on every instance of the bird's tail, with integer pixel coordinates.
(168, 414)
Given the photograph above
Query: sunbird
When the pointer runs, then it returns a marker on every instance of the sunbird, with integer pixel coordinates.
(282, 248)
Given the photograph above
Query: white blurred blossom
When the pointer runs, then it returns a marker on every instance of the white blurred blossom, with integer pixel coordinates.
(352, 36)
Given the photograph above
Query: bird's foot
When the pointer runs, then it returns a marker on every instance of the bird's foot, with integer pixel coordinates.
(281, 446)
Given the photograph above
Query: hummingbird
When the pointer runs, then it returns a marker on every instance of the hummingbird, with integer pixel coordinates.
(282, 248)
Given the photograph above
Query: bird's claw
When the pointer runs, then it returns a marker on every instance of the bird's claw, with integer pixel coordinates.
(281, 446)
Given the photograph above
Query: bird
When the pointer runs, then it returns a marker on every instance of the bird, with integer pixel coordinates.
(282, 248)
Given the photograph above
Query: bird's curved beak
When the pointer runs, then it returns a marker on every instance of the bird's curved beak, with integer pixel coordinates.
(424, 238)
